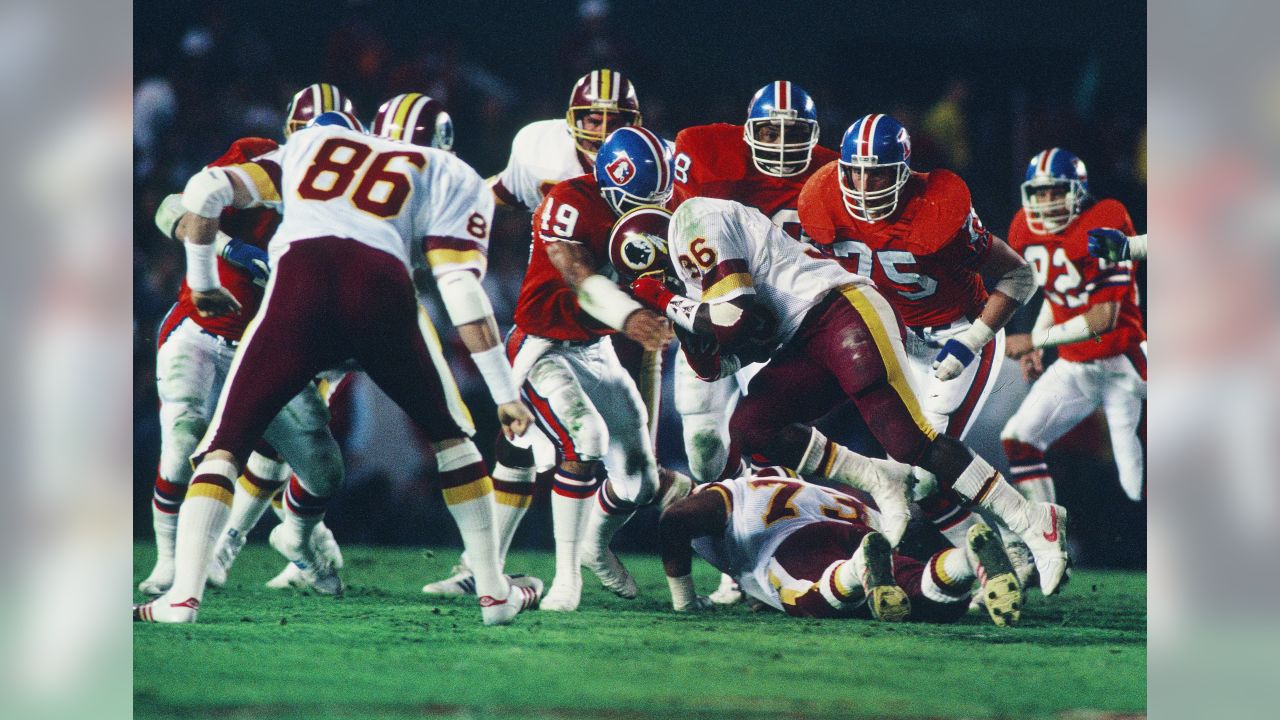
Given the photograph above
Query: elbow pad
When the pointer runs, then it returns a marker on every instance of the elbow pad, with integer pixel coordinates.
(1019, 284)
(168, 215)
(208, 193)
(464, 298)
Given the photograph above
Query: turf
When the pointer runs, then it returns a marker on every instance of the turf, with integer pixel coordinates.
(387, 651)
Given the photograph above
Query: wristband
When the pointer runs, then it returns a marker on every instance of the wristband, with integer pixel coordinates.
(681, 310)
(1138, 247)
(496, 372)
(977, 335)
(202, 269)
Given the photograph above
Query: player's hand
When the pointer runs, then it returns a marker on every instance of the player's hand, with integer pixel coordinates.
(651, 292)
(1016, 346)
(249, 258)
(700, 603)
(515, 419)
(648, 328)
(954, 357)
(1032, 365)
(215, 302)
(1108, 244)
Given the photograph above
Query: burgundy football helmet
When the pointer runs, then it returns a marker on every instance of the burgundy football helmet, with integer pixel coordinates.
(638, 243)
(602, 101)
(417, 119)
(312, 100)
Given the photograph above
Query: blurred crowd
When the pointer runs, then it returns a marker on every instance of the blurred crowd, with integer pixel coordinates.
(209, 75)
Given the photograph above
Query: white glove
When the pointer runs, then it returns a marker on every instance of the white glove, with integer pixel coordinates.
(959, 351)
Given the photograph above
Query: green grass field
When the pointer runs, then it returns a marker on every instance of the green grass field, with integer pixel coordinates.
(387, 651)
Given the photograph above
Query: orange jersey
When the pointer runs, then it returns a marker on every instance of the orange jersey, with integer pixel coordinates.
(254, 226)
(714, 161)
(573, 211)
(1074, 280)
(924, 258)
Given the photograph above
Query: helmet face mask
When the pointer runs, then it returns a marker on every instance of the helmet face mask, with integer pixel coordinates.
(781, 129)
(1054, 192)
(874, 167)
(601, 102)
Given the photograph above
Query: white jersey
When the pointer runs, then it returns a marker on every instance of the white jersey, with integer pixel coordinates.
(399, 198)
(542, 154)
(764, 511)
(723, 249)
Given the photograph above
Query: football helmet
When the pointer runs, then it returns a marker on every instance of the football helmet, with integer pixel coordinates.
(1054, 190)
(875, 157)
(633, 168)
(638, 243)
(608, 94)
(312, 100)
(341, 119)
(415, 118)
(781, 129)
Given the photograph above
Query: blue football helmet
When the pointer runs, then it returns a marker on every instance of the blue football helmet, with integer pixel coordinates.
(781, 129)
(1054, 191)
(633, 168)
(875, 164)
(339, 118)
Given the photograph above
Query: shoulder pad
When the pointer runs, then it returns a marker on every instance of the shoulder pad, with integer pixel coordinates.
(945, 207)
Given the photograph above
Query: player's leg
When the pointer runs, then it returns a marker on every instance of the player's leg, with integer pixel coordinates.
(1057, 402)
(705, 409)
(1123, 398)
(264, 474)
(567, 416)
(189, 374)
(837, 569)
(394, 354)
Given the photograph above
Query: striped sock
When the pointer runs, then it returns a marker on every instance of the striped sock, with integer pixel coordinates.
(277, 503)
(605, 516)
(513, 486)
(572, 496)
(468, 493)
(947, 511)
(303, 510)
(261, 479)
(200, 522)
(948, 577)
(841, 585)
(166, 501)
(1028, 471)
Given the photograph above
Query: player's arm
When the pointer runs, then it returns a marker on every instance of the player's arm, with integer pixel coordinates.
(704, 513)
(707, 327)
(207, 194)
(1099, 319)
(247, 257)
(602, 299)
(1116, 245)
(1014, 285)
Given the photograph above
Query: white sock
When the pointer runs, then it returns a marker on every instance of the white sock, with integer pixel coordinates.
(468, 493)
(261, 479)
(571, 500)
(166, 528)
(948, 577)
(202, 518)
(513, 493)
(601, 524)
(988, 489)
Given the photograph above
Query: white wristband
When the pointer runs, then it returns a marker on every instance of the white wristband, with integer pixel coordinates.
(683, 596)
(496, 372)
(602, 299)
(682, 310)
(977, 336)
(1138, 247)
(202, 266)
(1071, 331)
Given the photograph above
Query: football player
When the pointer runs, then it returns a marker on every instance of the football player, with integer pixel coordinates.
(918, 236)
(359, 208)
(562, 354)
(755, 293)
(1090, 314)
(763, 164)
(194, 353)
(811, 551)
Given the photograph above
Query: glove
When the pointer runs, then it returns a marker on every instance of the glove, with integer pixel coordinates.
(249, 258)
(1108, 244)
(959, 351)
(652, 292)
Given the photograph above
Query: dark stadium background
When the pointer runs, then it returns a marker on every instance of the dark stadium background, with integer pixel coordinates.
(981, 86)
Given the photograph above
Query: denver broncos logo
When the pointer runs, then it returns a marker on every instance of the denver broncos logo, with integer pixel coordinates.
(621, 170)
(905, 141)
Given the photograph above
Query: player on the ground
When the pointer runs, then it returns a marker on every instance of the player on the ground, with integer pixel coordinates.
(411, 117)
(194, 352)
(811, 551)
(544, 153)
(356, 210)
(918, 236)
(561, 352)
(1090, 314)
(763, 164)
(755, 293)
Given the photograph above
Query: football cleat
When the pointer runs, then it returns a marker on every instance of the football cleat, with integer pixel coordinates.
(887, 601)
(289, 577)
(563, 596)
(612, 573)
(163, 610)
(728, 593)
(463, 582)
(1046, 538)
(224, 556)
(160, 579)
(1024, 566)
(326, 546)
(889, 484)
(318, 572)
(519, 599)
(1001, 593)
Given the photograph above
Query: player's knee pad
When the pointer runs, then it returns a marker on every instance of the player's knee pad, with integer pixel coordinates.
(183, 427)
(319, 465)
(706, 445)
(267, 468)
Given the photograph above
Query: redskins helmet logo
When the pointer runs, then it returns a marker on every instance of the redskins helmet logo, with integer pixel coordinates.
(621, 170)
(638, 253)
